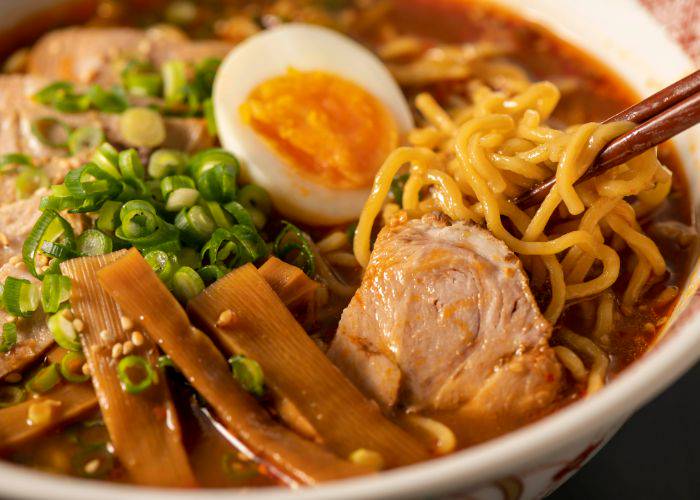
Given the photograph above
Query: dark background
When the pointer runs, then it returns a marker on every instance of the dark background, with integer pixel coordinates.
(656, 454)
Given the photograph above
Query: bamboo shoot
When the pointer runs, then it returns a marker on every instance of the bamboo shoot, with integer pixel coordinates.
(143, 427)
(297, 369)
(68, 402)
(297, 460)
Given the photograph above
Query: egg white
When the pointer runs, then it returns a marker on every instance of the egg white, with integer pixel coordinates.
(270, 54)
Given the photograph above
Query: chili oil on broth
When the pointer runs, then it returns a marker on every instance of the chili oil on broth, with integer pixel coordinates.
(589, 92)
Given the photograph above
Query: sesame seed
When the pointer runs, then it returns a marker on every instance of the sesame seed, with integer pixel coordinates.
(78, 324)
(4, 241)
(116, 350)
(19, 264)
(137, 338)
(227, 318)
(15, 259)
(92, 466)
(126, 323)
(104, 335)
(11, 319)
(13, 378)
(128, 347)
(85, 369)
(68, 314)
(42, 260)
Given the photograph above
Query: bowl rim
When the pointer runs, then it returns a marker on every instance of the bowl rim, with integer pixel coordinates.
(636, 385)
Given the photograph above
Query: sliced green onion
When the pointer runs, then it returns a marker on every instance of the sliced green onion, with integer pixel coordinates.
(174, 82)
(9, 337)
(99, 453)
(29, 180)
(71, 367)
(236, 469)
(138, 219)
(108, 216)
(107, 101)
(174, 182)
(92, 183)
(178, 192)
(91, 433)
(162, 263)
(148, 376)
(195, 224)
(189, 257)
(142, 127)
(209, 158)
(85, 139)
(203, 81)
(187, 283)
(248, 373)
(141, 79)
(11, 395)
(51, 132)
(130, 165)
(235, 246)
(10, 161)
(241, 214)
(210, 117)
(58, 251)
(52, 92)
(212, 273)
(55, 289)
(292, 245)
(164, 162)
(94, 242)
(106, 157)
(218, 183)
(254, 196)
(64, 332)
(49, 227)
(44, 380)
(181, 198)
(20, 296)
(164, 361)
(220, 216)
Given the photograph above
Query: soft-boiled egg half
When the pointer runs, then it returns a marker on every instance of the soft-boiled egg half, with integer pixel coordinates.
(312, 115)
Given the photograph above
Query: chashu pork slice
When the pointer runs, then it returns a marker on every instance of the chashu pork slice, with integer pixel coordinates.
(444, 320)
(97, 55)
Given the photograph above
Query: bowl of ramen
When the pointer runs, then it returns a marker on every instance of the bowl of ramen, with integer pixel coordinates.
(270, 248)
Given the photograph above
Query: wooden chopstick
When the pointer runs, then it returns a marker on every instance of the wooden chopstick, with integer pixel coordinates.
(663, 115)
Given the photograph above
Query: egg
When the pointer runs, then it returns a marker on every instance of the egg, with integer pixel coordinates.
(311, 114)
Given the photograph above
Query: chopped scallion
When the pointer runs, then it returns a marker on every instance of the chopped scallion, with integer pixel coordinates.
(44, 380)
(187, 283)
(9, 337)
(64, 332)
(85, 139)
(51, 132)
(148, 375)
(248, 373)
(55, 289)
(94, 242)
(71, 367)
(142, 127)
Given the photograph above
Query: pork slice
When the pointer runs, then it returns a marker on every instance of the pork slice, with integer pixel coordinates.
(444, 320)
(97, 55)
(16, 222)
(33, 335)
(18, 112)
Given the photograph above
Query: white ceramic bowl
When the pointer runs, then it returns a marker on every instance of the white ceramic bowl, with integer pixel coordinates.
(533, 461)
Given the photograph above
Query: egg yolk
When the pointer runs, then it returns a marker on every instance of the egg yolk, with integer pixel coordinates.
(327, 129)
